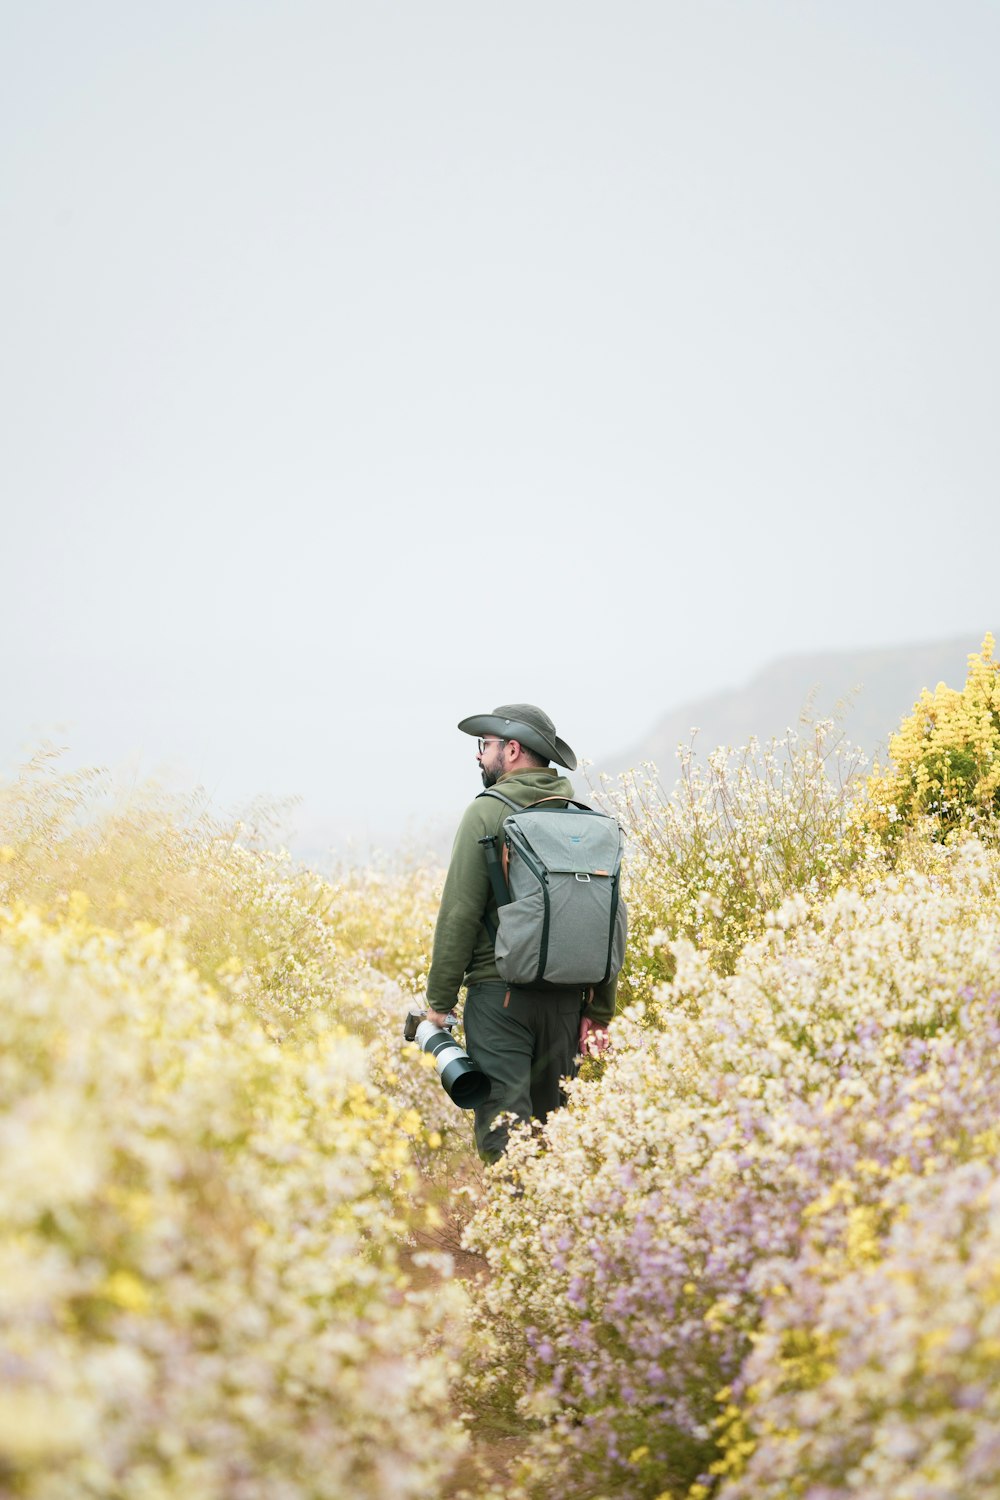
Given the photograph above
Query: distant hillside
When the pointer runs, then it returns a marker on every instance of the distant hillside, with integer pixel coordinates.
(868, 692)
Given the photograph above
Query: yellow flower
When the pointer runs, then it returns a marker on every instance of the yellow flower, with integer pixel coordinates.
(125, 1290)
(79, 905)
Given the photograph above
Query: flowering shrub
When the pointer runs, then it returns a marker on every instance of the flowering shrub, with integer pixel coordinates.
(756, 1256)
(759, 1150)
(945, 760)
(280, 941)
(885, 1381)
(251, 921)
(740, 832)
(385, 916)
(205, 1283)
(202, 1285)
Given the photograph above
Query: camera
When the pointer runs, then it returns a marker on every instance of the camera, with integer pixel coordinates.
(464, 1083)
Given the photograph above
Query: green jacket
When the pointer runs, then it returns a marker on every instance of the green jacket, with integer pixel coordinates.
(463, 948)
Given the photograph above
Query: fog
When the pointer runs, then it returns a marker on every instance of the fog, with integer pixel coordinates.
(367, 366)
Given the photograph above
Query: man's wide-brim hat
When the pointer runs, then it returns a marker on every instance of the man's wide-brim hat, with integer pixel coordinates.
(526, 723)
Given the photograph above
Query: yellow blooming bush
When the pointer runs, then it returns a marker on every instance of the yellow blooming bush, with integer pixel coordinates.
(203, 1284)
(278, 939)
(385, 916)
(945, 760)
(383, 920)
(211, 1136)
(251, 921)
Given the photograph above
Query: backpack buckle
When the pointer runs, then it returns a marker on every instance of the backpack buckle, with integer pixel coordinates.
(584, 879)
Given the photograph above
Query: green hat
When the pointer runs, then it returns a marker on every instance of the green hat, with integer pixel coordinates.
(526, 723)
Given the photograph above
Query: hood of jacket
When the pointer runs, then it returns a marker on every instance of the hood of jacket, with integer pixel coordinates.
(532, 784)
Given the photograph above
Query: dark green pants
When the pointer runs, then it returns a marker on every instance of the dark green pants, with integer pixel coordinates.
(526, 1047)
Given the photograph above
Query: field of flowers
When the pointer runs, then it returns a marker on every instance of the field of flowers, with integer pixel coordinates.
(214, 1167)
(757, 1256)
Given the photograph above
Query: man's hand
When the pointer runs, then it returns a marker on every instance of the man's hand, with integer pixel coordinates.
(440, 1017)
(594, 1038)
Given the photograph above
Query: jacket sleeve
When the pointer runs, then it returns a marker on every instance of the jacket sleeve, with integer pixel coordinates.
(602, 1007)
(463, 904)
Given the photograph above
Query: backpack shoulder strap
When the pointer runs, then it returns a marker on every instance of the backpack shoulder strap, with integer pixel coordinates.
(494, 868)
(569, 801)
(491, 791)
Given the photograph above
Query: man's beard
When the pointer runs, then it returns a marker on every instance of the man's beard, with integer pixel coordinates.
(491, 777)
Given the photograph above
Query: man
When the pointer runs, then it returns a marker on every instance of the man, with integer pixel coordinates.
(525, 1040)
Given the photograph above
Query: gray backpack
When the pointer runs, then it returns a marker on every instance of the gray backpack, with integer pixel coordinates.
(560, 916)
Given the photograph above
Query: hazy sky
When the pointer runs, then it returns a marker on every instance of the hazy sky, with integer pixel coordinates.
(366, 365)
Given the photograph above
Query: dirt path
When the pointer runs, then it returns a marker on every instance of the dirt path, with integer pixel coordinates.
(488, 1464)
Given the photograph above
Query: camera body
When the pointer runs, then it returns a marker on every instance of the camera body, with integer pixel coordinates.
(464, 1083)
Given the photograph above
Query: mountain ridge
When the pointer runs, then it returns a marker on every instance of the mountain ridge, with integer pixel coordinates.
(867, 691)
